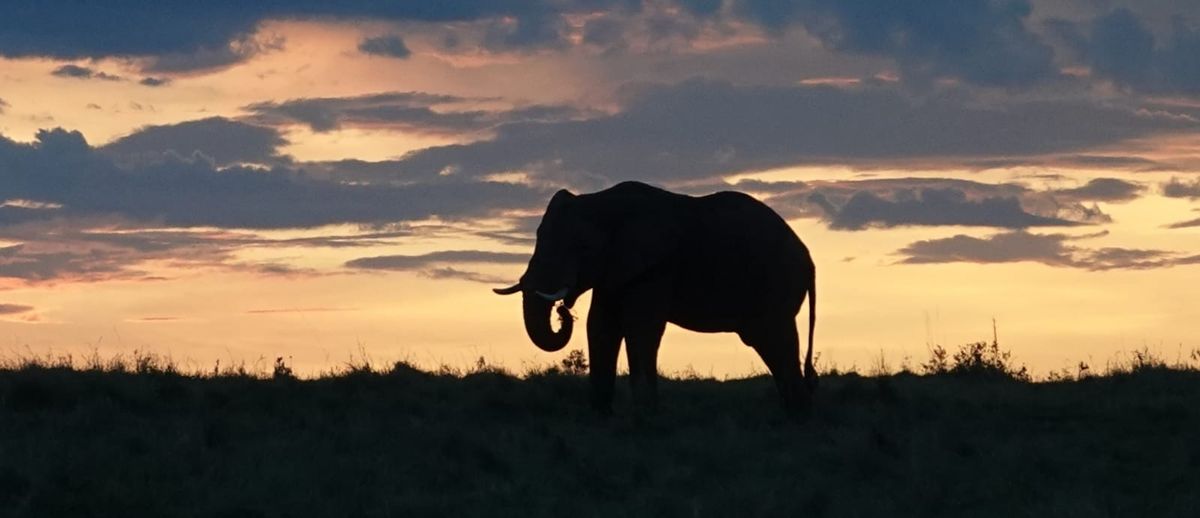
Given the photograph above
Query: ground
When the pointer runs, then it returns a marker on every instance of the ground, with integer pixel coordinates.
(402, 442)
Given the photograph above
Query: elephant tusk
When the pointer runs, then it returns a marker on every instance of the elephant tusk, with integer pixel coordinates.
(553, 297)
(509, 290)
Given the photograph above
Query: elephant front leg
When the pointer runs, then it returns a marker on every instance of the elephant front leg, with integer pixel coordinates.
(604, 343)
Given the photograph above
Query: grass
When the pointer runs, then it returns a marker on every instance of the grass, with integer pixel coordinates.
(969, 436)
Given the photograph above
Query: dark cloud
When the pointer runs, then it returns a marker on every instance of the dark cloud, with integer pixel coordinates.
(701, 8)
(388, 45)
(3, 105)
(155, 81)
(222, 140)
(980, 41)
(60, 167)
(417, 262)
(1176, 188)
(669, 26)
(1101, 189)
(606, 32)
(935, 207)
(328, 113)
(78, 72)
(1048, 249)
(702, 129)
(408, 111)
(533, 31)
(861, 204)
(181, 36)
(211, 59)
(14, 309)
(1120, 46)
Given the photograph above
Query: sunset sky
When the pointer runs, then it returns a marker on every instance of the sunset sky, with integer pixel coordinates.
(234, 180)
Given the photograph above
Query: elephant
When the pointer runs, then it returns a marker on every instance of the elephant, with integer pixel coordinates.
(724, 262)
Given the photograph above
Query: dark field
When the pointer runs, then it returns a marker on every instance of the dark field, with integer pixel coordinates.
(402, 442)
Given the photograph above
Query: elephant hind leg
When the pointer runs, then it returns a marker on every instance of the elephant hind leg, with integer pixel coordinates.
(778, 344)
(641, 349)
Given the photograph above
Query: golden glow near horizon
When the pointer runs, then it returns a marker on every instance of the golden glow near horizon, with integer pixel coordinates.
(321, 314)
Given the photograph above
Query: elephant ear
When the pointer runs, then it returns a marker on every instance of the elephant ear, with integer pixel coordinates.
(642, 246)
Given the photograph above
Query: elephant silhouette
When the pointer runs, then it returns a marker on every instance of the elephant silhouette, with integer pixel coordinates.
(724, 262)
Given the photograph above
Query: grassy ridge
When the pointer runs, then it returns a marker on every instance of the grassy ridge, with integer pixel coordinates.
(403, 442)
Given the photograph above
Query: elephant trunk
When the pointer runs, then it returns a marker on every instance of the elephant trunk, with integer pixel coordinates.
(537, 323)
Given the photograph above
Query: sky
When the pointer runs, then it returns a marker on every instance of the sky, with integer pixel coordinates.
(237, 181)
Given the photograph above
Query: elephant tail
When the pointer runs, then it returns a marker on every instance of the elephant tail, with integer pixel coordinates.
(810, 373)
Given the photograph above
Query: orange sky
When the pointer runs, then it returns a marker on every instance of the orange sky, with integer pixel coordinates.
(261, 298)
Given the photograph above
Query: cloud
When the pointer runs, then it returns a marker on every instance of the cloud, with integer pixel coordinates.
(760, 186)
(934, 207)
(389, 45)
(211, 59)
(453, 273)
(106, 248)
(888, 202)
(1120, 46)
(1175, 188)
(416, 262)
(605, 32)
(223, 140)
(1186, 224)
(91, 250)
(78, 72)
(542, 30)
(60, 167)
(407, 111)
(35, 264)
(436, 265)
(703, 129)
(1134, 163)
(185, 36)
(1101, 189)
(14, 309)
(155, 81)
(980, 41)
(1048, 249)
(3, 105)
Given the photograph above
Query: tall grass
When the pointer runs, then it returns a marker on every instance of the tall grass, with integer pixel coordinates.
(963, 434)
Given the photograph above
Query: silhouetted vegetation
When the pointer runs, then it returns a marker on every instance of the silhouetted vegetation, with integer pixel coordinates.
(968, 436)
(977, 360)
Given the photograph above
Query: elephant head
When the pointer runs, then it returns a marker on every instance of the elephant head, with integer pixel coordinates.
(607, 238)
(564, 265)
